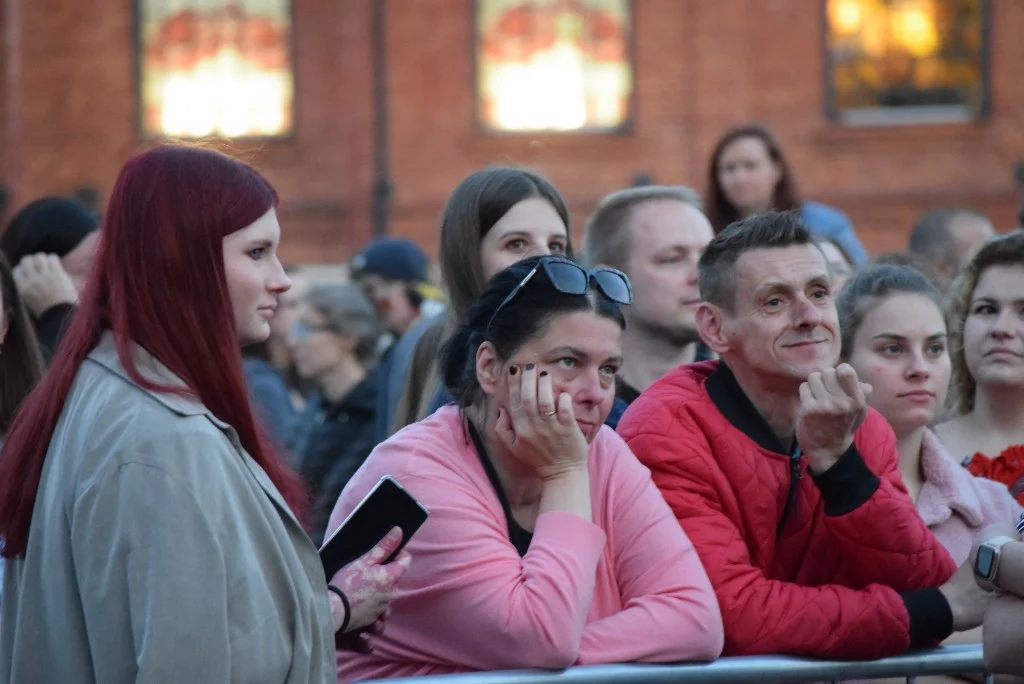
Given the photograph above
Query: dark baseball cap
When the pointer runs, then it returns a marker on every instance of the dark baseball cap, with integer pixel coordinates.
(393, 259)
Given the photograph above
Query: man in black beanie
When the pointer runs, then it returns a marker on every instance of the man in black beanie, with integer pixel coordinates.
(51, 243)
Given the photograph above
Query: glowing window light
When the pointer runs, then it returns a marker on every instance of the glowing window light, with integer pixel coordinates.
(914, 28)
(846, 16)
(559, 65)
(215, 68)
(908, 55)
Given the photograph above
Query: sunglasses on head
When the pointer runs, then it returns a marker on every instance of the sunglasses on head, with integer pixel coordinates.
(570, 278)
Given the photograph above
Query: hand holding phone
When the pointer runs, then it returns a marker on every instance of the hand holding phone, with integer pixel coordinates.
(370, 584)
(387, 506)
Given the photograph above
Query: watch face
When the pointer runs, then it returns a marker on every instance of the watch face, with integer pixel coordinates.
(986, 557)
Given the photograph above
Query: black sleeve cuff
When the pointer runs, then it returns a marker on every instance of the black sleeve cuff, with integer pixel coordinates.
(51, 325)
(847, 485)
(931, 619)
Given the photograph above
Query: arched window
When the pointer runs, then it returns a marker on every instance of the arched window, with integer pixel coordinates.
(215, 68)
(553, 65)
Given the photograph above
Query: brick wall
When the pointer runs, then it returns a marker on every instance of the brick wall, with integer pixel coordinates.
(701, 66)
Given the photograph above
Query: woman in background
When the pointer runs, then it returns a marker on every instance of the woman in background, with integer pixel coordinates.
(21, 361)
(749, 175)
(494, 218)
(987, 432)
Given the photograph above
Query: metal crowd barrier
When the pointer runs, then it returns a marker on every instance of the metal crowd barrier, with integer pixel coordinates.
(947, 660)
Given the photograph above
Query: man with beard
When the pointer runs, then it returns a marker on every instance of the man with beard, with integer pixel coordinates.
(655, 234)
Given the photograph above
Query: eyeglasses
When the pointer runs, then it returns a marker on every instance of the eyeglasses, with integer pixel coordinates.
(570, 278)
(300, 332)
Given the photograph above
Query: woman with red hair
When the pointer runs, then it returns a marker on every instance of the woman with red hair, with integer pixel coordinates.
(151, 532)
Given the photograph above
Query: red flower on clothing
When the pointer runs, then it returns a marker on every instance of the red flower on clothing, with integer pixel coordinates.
(1007, 467)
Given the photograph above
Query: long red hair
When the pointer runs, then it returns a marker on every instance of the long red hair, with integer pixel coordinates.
(158, 281)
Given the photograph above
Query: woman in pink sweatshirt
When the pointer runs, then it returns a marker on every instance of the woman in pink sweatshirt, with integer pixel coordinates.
(547, 544)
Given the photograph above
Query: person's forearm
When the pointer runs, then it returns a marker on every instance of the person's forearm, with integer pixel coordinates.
(569, 492)
(1010, 574)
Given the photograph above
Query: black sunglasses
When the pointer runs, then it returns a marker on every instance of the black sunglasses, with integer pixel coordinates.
(570, 278)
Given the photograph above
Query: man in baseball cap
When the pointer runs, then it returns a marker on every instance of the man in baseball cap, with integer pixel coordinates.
(393, 273)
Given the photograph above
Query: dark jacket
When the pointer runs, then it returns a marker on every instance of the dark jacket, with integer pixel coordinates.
(329, 442)
(51, 325)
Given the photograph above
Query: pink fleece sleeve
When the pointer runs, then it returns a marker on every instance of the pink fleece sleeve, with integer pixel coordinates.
(470, 601)
(670, 610)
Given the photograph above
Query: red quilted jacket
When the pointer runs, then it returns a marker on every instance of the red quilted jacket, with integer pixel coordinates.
(852, 569)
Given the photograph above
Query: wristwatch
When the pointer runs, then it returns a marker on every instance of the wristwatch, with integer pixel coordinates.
(986, 565)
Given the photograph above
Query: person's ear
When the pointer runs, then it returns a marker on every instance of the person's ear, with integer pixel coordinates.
(710, 320)
(489, 368)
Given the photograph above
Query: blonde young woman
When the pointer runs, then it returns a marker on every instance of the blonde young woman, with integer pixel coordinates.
(987, 431)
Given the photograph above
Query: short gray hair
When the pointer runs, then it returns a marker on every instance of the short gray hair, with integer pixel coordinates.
(346, 311)
(606, 238)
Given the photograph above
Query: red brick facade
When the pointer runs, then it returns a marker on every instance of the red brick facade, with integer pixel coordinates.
(70, 118)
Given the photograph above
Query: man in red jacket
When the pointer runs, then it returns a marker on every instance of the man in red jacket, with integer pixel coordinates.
(785, 481)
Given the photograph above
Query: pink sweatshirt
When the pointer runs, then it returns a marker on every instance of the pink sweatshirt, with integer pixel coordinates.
(627, 587)
(956, 505)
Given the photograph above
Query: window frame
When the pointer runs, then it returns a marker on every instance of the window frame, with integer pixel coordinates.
(138, 67)
(913, 115)
(626, 127)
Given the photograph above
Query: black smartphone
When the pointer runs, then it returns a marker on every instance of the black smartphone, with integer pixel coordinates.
(387, 505)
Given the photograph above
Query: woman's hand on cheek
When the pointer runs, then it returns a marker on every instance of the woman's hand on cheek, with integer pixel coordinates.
(539, 428)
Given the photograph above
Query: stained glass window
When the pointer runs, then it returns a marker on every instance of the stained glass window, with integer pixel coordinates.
(913, 59)
(557, 65)
(216, 68)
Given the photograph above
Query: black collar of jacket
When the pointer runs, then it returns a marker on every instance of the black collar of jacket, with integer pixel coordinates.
(360, 399)
(844, 487)
(733, 403)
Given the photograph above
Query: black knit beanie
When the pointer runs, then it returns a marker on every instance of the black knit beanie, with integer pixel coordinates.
(51, 225)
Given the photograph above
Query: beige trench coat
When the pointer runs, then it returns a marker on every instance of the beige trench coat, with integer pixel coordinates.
(159, 551)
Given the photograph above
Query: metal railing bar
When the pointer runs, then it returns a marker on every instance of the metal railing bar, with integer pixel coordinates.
(958, 659)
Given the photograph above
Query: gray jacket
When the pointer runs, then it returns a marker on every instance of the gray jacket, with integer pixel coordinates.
(159, 551)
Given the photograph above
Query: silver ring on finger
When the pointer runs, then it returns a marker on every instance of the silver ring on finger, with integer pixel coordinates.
(550, 413)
